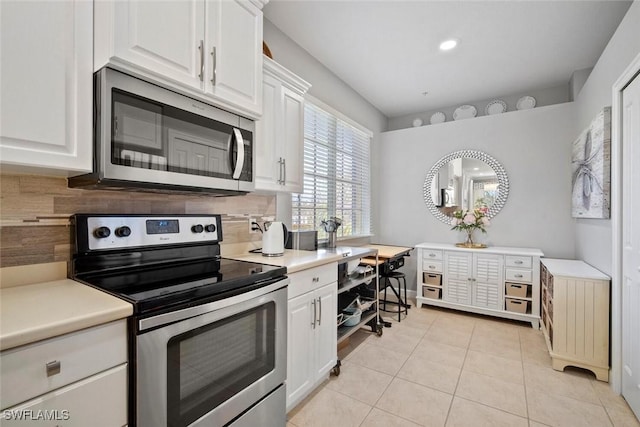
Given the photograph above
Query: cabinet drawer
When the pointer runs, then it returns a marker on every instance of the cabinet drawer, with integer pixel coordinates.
(518, 275)
(430, 265)
(23, 370)
(313, 278)
(517, 261)
(430, 254)
(100, 400)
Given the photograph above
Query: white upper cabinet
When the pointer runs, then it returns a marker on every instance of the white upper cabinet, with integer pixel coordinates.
(46, 85)
(163, 37)
(233, 60)
(209, 49)
(280, 132)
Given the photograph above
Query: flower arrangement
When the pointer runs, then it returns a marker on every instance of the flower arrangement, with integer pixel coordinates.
(469, 221)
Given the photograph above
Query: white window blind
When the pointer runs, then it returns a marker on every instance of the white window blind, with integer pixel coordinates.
(336, 175)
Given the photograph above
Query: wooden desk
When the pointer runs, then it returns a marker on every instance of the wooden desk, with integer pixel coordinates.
(386, 253)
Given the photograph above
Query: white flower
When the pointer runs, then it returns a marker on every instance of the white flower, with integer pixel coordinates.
(485, 221)
(469, 218)
(454, 222)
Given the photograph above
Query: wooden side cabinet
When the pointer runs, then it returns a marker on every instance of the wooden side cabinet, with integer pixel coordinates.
(575, 315)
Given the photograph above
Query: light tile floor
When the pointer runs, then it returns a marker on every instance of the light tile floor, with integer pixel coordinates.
(445, 368)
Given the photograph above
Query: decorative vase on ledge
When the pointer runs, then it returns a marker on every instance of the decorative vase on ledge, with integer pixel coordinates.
(468, 222)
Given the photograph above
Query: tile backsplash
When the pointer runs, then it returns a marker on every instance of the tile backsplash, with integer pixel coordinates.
(35, 212)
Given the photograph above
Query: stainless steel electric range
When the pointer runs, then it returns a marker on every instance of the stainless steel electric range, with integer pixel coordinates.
(208, 334)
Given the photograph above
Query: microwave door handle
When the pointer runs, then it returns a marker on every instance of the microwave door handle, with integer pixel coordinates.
(240, 157)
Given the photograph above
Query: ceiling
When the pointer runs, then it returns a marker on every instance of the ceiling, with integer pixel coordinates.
(388, 51)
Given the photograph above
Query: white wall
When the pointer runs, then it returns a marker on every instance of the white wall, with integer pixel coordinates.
(328, 88)
(594, 236)
(534, 146)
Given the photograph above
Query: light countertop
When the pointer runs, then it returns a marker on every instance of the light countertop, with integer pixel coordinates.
(30, 313)
(297, 260)
(573, 268)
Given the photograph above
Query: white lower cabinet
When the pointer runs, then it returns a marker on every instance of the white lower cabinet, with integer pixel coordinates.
(100, 400)
(46, 81)
(311, 336)
(497, 281)
(77, 379)
(575, 315)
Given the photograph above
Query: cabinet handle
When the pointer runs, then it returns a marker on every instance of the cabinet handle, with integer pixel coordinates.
(201, 49)
(316, 279)
(115, 126)
(319, 311)
(518, 262)
(214, 65)
(432, 255)
(315, 314)
(53, 368)
(280, 162)
(432, 267)
(519, 276)
(284, 176)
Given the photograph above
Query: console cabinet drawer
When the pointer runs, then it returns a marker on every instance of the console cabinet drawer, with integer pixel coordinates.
(432, 266)
(38, 368)
(517, 261)
(431, 255)
(518, 275)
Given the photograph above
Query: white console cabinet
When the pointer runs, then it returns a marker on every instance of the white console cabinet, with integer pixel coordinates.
(496, 281)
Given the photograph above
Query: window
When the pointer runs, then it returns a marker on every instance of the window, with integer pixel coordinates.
(336, 174)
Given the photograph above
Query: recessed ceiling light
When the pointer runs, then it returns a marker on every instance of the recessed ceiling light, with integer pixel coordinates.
(448, 44)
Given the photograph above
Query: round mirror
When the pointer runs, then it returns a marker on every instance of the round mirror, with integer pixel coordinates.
(465, 180)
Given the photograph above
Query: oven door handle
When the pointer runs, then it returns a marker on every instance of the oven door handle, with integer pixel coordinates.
(176, 316)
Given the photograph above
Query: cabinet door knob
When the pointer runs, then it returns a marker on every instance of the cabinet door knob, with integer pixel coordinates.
(53, 368)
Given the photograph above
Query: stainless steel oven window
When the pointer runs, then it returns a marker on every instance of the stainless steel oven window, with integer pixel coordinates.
(209, 365)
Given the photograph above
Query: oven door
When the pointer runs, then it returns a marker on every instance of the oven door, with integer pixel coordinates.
(208, 364)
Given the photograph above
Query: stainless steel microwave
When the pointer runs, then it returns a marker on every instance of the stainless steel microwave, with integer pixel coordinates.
(150, 138)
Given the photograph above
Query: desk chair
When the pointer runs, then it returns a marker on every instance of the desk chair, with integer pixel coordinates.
(385, 282)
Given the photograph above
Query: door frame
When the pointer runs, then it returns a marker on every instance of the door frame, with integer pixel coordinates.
(625, 78)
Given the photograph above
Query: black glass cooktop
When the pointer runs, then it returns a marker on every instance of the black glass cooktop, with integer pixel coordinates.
(168, 287)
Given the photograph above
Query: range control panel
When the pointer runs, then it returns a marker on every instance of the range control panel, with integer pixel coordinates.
(96, 232)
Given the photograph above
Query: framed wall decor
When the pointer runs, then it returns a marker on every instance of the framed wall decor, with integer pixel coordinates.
(591, 167)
